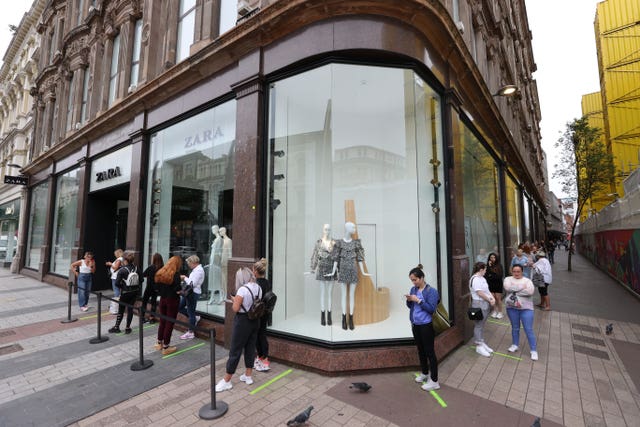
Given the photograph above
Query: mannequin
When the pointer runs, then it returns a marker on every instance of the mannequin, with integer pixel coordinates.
(321, 265)
(215, 275)
(346, 253)
(224, 258)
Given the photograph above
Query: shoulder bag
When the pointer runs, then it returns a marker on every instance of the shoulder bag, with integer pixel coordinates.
(474, 313)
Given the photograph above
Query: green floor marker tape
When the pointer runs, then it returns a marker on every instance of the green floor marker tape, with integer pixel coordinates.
(438, 398)
(285, 373)
(508, 356)
(93, 316)
(184, 350)
(498, 323)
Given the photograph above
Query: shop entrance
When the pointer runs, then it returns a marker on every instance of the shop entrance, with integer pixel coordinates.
(106, 229)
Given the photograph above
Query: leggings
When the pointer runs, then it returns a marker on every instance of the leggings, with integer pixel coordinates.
(424, 336)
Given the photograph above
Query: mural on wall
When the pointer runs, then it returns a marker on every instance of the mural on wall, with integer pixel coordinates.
(616, 251)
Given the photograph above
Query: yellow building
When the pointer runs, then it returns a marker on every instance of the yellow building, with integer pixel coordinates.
(617, 29)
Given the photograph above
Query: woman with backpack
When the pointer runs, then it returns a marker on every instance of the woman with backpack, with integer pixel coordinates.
(127, 280)
(262, 363)
(245, 330)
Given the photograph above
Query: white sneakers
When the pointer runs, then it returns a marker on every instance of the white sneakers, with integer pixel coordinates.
(245, 379)
(223, 386)
(187, 335)
(534, 355)
(430, 385)
(499, 315)
(422, 378)
(513, 348)
(482, 351)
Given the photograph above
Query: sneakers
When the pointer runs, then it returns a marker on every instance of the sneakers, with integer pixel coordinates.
(482, 351)
(84, 308)
(223, 386)
(187, 335)
(494, 314)
(486, 347)
(430, 385)
(261, 365)
(422, 378)
(499, 316)
(245, 379)
(114, 330)
(513, 348)
(157, 346)
(168, 350)
(534, 355)
(127, 331)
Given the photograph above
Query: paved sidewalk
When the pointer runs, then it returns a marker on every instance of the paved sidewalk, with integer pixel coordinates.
(584, 377)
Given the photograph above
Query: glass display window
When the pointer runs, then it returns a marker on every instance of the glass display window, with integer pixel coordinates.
(190, 197)
(355, 171)
(37, 223)
(9, 220)
(481, 198)
(64, 222)
(515, 217)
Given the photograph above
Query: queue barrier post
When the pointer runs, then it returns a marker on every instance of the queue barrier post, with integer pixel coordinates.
(141, 364)
(214, 409)
(99, 338)
(69, 319)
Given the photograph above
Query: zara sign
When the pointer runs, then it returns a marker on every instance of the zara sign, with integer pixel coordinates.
(111, 170)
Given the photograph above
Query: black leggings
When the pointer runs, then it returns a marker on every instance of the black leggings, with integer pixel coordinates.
(129, 298)
(425, 336)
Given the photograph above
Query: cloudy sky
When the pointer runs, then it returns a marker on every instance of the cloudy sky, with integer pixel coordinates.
(564, 51)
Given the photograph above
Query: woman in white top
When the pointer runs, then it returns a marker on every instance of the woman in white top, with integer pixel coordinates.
(85, 269)
(519, 301)
(245, 330)
(114, 267)
(481, 298)
(544, 266)
(188, 303)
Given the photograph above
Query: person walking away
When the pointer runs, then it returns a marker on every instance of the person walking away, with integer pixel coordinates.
(83, 270)
(188, 303)
(245, 331)
(150, 292)
(544, 266)
(262, 364)
(422, 301)
(519, 292)
(167, 280)
(495, 276)
(127, 295)
(481, 298)
(114, 266)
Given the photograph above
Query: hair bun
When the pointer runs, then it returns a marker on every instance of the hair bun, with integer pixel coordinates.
(420, 267)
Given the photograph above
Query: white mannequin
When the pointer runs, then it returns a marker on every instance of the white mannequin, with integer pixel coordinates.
(215, 274)
(349, 231)
(224, 258)
(319, 258)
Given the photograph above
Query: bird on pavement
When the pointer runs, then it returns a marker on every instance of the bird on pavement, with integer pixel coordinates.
(609, 329)
(536, 422)
(363, 387)
(301, 418)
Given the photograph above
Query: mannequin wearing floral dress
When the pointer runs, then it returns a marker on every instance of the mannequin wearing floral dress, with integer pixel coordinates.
(322, 264)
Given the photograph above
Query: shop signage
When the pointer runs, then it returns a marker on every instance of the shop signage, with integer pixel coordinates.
(20, 180)
(206, 136)
(108, 174)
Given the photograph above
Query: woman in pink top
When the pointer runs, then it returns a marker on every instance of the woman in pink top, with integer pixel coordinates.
(519, 292)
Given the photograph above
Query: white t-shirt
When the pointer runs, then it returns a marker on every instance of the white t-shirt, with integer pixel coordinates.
(247, 298)
(478, 283)
(114, 273)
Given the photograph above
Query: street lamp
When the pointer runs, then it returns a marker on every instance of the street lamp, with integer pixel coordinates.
(506, 90)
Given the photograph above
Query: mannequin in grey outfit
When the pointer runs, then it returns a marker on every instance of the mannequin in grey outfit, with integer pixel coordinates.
(321, 265)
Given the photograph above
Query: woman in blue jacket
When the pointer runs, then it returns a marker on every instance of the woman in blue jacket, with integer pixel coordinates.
(422, 301)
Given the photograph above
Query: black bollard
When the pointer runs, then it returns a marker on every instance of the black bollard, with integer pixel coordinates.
(213, 410)
(141, 364)
(99, 338)
(69, 319)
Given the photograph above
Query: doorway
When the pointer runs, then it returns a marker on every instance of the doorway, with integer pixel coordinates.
(106, 229)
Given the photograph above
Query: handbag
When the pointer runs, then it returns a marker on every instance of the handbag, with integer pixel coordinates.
(440, 319)
(474, 313)
(186, 289)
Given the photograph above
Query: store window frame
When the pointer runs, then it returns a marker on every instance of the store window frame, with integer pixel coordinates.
(54, 224)
(444, 267)
(45, 186)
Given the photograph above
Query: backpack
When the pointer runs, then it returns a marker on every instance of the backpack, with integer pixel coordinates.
(537, 277)
(258, 306)
(132, 282)
(269, 299)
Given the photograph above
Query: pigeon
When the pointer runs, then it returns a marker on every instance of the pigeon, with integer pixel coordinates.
(301, 418)
(363, 387)
(609, 329)
(536, 422)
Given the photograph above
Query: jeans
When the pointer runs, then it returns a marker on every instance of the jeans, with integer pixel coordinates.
(84, 288)
(116, 290)
(478, 326)
(526, 317)
(188, 308)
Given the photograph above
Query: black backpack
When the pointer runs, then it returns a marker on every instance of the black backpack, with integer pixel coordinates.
(258, 307)
(269, 300)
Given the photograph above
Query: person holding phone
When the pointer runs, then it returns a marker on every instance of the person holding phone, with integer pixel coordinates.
(422, 301)
(84, 269)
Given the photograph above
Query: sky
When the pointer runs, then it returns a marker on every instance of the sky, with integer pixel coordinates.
(564, 51)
